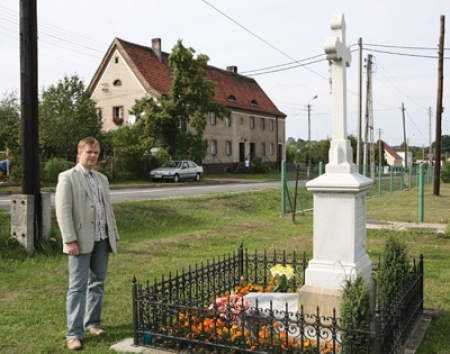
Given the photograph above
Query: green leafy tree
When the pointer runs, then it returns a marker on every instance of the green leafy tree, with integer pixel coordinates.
(9, 122)
(10, 132)
(131, 152)
(177, 119)
(66, 115)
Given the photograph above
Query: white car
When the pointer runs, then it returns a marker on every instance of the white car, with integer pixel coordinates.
(177, 170)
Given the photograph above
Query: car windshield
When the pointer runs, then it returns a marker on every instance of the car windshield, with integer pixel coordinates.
(172, 164)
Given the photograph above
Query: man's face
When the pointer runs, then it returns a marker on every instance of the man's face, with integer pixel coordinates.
(88, 156)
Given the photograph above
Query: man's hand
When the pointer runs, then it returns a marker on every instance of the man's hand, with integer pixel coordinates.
(72, 248)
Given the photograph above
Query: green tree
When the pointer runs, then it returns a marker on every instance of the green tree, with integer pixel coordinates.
(9, 122)
(177, 119)
(66, 114)
(10, 132)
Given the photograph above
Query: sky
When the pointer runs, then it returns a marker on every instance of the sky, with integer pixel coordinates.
(73, 37)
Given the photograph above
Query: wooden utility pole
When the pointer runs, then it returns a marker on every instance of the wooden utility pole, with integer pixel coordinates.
(358, 132)
(29, 110)
(368, 123)
(437, 147)
(405, 148)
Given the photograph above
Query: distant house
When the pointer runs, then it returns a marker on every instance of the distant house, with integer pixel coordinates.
(396, 159)
(255, 127)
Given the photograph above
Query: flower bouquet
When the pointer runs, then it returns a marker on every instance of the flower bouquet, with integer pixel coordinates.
(280, 277)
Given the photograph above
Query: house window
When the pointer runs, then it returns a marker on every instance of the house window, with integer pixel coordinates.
(118, 115)
(212, 118)
(117, 82)
(271, 149)
(254, 103)
(213, 147)
(241, 120)
(271, 124)
(99, 113)
(228, 147)
(252, 122)
(262, 123)
(227, 121)
(263, 149)
(231, 98)
(116, 60)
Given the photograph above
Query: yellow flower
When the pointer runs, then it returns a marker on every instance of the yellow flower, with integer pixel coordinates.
(279, 270)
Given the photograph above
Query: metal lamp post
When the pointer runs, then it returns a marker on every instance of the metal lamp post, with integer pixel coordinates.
(308, 170)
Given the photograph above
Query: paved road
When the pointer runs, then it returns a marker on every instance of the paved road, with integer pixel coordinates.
(168, 191)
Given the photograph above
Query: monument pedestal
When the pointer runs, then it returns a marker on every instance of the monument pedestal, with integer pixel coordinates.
(339, 247)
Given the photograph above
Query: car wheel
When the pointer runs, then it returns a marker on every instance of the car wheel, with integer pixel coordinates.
(197, 177)
(176, 178)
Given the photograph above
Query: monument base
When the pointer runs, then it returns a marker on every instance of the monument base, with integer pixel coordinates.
(311, 297)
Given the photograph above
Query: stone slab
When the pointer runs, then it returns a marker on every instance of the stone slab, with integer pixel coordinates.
(127, 346)
(279, 301)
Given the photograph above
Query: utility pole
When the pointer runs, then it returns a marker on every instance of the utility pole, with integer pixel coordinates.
(380, 160)
(437, 165)
(368, 113)
(308, 170)
(29, 110)
(358, 133)
(404, 139)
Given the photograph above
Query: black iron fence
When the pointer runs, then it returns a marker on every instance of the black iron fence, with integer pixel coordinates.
(196, 311)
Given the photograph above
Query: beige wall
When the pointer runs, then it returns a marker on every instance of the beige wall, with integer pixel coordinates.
(107, 96)
(240, 131)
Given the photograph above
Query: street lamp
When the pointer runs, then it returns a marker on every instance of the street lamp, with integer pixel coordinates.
(308, 171)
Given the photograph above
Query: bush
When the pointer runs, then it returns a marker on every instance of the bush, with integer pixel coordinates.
(356, 315)
(53, 167)
(393, 269)
(257, 165)
(445, 173)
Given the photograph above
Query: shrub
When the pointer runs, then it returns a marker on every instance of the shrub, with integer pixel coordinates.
(356, 315)
(53, 167)
(393, 269)
(258, 166)
(445, 173)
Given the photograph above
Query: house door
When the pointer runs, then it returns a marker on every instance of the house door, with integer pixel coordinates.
(252, 151)
(241, 152)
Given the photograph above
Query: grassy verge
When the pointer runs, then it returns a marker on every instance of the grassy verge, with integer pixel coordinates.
(165, 235)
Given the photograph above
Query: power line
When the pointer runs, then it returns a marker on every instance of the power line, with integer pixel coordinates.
(286, 64)
(404, 54)
(401, 46)
(288, 68)
(258, 37)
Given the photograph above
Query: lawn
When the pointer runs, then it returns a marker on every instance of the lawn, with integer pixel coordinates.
(162, 236)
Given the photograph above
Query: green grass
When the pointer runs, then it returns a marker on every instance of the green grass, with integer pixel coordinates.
(162, 236)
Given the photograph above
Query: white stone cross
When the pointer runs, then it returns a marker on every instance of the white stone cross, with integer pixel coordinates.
(339, 57)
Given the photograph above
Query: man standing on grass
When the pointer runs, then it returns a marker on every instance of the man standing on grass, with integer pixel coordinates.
(89, 232)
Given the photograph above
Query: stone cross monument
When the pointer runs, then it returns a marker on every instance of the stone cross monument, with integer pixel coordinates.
(339, 243)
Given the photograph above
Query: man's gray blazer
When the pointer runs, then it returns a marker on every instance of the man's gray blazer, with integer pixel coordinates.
(75, 211)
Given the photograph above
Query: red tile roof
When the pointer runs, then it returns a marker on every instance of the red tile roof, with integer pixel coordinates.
(391, 151)
(248, 95)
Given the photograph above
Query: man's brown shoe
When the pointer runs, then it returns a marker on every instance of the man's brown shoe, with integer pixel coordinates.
(74, 344)
(96, 331)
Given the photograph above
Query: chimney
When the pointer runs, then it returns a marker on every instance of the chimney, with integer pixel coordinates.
(156, 47)
(232, 68)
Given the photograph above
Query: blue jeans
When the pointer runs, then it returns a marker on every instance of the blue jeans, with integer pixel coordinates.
(87, 273)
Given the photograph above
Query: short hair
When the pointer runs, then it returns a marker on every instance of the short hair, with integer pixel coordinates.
(87, 141)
